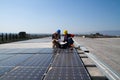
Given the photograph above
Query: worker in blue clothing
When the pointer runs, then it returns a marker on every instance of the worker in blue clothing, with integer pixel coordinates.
(55, 39)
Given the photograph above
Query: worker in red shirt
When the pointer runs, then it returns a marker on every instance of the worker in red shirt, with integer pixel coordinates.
(68, 39)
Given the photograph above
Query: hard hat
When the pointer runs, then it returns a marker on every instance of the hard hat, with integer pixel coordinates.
(58, 31)
(65, 32)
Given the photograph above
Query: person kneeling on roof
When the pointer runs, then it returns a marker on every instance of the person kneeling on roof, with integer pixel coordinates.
(55, 39)
(68, 39)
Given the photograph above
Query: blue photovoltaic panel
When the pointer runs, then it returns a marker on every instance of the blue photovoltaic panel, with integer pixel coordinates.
(14, 50)
(38, 50)
(31, 50)
(25, 73)
(15, 60)
(27, 50)
(34, 64)
(3, 57)
(33, 68)
(66, 70)
(67, 73)
(42, 60)
(46, 51)
(67, 58)
(4, 70)
(67, 65)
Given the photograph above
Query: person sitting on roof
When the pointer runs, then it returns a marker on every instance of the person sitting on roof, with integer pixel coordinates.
(55, 39)
(68, 39)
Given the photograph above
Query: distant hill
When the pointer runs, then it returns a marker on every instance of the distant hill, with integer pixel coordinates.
(110, 33)
(113, 33)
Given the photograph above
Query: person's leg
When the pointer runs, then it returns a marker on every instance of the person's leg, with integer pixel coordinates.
(71, 46)
(53, 44)
(57, 44)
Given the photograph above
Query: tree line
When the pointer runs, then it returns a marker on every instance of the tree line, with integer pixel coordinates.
(11, 37)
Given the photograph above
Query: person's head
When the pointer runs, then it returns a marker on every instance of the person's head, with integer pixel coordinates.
(65, 32)
(58, 31)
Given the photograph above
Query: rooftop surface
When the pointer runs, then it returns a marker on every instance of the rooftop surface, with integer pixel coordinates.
(105, 49)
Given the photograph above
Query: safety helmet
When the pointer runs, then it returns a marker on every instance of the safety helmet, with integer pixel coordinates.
(65, 32)
(58, 31)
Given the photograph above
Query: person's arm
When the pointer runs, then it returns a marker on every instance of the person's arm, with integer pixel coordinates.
(64, 39)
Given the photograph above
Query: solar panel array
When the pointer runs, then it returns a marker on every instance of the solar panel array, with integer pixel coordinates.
(26, 50)
(27, 64)
(41, 64)
(25, 73)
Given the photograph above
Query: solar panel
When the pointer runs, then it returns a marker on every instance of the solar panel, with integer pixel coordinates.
(25, 73)
(3, 50)
(15, 60)
(38, 50)
(42, 60)
(3, 57)
(46, 50)
(3, 70)
(67, 65)
(30, 68)
(31, 50)
(14, 50)
(67, 58)
(27, 50)
(67, 73)
(34, 64)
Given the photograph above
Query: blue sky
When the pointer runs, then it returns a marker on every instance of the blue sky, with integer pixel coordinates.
(46, 16)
